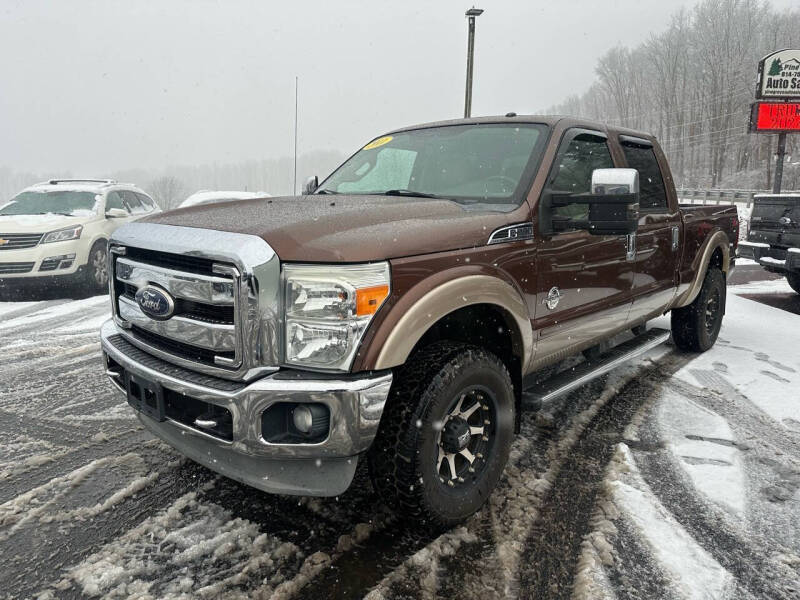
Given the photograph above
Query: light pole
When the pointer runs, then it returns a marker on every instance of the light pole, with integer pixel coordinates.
(470, 14)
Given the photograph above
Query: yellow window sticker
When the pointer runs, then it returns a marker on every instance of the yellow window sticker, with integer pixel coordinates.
(379, 142)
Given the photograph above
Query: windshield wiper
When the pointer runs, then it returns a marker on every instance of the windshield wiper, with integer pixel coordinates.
(404, 192)
(326, 192)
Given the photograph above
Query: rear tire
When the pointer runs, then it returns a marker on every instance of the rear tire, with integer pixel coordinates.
(695, 327)
(794, 281)
(445, 434)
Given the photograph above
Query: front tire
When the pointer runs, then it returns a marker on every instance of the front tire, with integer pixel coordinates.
(695, 327)
(794, 281)
(96, 273)
(445, 434)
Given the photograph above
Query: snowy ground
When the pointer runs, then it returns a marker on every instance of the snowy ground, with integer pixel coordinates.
(674, 477)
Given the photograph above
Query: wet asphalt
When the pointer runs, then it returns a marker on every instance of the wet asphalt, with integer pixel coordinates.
(92, 506)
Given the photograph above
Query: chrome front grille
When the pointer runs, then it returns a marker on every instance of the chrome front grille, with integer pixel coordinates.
(203, 326)
(18, 241)
(223, 290)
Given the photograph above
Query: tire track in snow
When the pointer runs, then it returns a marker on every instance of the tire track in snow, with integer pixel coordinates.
(29, 310)
(553, 547)
(636, 564)
(69, 460)
(35, 428)
(379, 558)
(709, 526)
(40, 551)
(724, 399)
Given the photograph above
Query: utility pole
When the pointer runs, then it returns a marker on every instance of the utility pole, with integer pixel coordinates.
(294, 184)
(776, 183)
(470, 14)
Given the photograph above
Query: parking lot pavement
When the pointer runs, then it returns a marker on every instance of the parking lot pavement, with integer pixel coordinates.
(674, 476)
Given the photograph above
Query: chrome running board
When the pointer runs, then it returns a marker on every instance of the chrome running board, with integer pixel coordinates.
(568, 380)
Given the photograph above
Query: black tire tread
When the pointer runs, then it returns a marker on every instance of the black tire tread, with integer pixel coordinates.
(688, 320)
(88, 275)
(393, 455)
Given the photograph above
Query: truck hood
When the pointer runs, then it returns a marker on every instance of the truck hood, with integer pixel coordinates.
(327, 228)
(39, 223)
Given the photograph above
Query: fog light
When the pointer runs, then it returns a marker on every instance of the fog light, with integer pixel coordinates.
(311, 420)
(51, 263)
(295, 423)
(302, 418)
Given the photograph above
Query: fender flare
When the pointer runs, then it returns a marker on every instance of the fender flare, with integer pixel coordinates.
(447, 298)
(716, 240)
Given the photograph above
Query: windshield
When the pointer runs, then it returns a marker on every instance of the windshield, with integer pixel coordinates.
(468, 163)
(61, 202)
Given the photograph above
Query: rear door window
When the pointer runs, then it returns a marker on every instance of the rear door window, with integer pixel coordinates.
(640, 156)
(133, 202)
(146, 201)
(114, 200)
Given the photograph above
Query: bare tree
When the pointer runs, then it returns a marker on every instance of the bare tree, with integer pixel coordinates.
(167, 190)
(692, 86)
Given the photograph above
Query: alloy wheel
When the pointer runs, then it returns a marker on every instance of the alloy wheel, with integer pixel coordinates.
(100, 268)
(465, 437)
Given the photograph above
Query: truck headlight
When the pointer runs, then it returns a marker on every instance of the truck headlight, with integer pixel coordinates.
(328, 309)
(62, 235)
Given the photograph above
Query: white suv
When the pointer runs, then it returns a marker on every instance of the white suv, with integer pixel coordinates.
(60, 229)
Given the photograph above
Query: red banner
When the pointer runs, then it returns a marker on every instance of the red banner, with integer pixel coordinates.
(775, 117)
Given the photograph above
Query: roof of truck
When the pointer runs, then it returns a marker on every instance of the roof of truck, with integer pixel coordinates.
(550, 120)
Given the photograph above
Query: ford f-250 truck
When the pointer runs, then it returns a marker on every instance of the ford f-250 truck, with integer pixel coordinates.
(396, 311)
(773, 239)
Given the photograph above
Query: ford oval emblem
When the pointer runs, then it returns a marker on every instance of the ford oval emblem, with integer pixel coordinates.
(155, 302)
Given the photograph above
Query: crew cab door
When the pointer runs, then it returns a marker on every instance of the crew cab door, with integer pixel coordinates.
(583, 288)
(657, 240)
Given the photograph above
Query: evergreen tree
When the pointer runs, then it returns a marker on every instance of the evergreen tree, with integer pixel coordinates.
(775, 68)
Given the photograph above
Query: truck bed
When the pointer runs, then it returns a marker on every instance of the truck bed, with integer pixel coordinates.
(700, 222)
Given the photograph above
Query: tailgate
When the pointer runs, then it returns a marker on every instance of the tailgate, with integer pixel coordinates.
(776, 220)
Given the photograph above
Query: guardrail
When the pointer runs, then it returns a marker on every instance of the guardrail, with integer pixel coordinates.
(720, 196)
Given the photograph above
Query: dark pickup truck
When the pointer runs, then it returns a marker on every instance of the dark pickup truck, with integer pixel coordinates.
(773, 239)
(397, 311)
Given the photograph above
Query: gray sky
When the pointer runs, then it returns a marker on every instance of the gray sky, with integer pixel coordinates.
(94, 87)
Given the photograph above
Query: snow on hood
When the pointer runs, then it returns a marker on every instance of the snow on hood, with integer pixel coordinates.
(208, 196)
(42, 223)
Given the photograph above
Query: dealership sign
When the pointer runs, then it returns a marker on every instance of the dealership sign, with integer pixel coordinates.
(775, 117)
(779, 75)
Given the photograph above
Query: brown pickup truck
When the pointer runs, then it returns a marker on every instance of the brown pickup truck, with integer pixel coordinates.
(397, 310)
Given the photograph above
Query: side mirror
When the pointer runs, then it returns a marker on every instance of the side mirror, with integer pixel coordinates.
(613, 204)
(311, 185)
(117, 213)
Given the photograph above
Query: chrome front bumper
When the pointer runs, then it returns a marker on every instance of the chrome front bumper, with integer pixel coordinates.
(321, 469)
